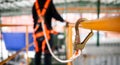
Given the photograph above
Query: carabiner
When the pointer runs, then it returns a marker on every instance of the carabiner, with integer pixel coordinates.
(78, 44)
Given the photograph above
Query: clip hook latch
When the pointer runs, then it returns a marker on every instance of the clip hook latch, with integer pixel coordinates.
(77, 44)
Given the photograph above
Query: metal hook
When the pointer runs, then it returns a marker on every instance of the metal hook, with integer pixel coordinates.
(77, 44)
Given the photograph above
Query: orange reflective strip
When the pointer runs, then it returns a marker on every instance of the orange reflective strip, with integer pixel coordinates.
(53, 32)
(40, 34)
(35, 43)
(46, 4)
(43, 45)
(37, 8)
(44, 9)
(37, 26)
(39, 14)
(48, 37)
(36, 5)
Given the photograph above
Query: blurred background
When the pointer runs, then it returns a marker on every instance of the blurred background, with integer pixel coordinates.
(102, 49)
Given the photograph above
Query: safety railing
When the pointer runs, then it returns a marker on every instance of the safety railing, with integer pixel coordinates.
(103, 24)
(106, 24)
(27, 43)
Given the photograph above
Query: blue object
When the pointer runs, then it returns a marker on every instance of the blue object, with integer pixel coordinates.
(16, 41)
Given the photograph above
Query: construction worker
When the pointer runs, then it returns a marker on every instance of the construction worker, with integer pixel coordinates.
(43, 10)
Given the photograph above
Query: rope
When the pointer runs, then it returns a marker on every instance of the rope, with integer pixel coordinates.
(75, 55)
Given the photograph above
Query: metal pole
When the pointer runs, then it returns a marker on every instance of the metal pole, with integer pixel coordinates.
(1, 37)
(65, 6)
(27, 44)
(98, 13)
(69, 44)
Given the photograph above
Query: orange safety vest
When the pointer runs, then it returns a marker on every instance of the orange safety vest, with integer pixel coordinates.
(40, 34)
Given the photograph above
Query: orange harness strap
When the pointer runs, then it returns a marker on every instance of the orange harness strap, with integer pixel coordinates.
(40, 34)
(41, 13)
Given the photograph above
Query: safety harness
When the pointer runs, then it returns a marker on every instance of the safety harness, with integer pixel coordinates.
(41, 14)
(78, 46)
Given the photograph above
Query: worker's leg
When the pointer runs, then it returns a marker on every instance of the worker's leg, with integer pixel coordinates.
(38, 54)
(48, 57)
(37, 58)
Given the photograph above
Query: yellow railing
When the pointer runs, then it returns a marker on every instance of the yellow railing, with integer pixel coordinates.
(69, 45)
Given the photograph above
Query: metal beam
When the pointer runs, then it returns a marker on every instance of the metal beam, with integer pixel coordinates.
(27, 11)
(98, 14)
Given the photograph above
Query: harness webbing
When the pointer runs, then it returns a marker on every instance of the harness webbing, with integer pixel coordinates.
(40, 14)
(46, 34)
(43, 11)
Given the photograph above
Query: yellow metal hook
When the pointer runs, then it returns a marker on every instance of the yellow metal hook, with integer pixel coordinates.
(77, 44)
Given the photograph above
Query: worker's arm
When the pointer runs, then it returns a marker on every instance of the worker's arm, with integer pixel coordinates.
(56, 15)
